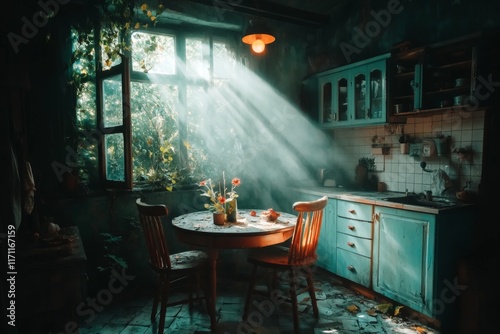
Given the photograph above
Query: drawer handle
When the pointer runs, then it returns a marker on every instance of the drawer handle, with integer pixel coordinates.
(350, 268)
(351, 227)
(352, 211)
(350, 244)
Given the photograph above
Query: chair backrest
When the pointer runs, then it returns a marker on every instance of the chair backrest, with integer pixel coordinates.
(305, 236)
(151, 222)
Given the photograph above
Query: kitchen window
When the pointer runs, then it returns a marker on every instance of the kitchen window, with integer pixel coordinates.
(142, 121)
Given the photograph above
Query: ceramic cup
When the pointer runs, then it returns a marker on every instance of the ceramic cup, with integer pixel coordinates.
(404, 148)
(398, 108)
(459, 100)
(459, 82)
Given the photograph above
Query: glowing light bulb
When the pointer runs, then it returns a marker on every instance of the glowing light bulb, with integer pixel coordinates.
(258, 46)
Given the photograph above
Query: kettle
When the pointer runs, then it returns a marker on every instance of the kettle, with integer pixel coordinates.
(321, 174)
(325, 177)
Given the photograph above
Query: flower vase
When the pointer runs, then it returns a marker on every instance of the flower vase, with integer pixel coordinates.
(231, 211)
(219, 218)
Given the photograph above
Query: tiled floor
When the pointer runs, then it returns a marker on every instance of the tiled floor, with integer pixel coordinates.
(130, 312)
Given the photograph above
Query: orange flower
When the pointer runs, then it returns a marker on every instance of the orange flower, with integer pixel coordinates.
(203, 183)
(221, 199)
(236, 182)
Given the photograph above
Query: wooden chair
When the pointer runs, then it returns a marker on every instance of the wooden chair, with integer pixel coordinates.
(295, 260)
(171, 268)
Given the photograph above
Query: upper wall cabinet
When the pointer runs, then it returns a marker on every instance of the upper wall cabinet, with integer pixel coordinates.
(354, 95)
(458, 75)
(440, 77)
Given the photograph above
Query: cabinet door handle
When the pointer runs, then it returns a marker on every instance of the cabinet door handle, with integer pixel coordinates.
(351, 227)
(350, 244)
(352, 211)
(350, 268)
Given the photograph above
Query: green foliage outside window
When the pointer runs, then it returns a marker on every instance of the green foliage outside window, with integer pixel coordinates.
(168, 144)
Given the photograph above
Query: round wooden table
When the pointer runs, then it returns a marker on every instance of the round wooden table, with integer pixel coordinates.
(197, 228)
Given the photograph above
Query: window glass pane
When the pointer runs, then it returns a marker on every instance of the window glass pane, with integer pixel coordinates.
(110, 48)
(112, 101)
(195, 64)
(153, 53)
(155, 131)
(115, 157)
(224, 60)
(88, 139)
(198, 131)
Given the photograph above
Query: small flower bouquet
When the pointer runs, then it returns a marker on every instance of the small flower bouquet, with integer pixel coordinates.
(221, 200)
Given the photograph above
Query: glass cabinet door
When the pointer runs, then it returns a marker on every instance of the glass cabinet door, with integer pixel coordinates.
(354, 94)
(360, 94)
(377, 89)
(342, 102)
(325, 103)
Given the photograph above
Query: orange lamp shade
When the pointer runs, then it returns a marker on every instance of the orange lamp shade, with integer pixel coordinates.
(258, 35)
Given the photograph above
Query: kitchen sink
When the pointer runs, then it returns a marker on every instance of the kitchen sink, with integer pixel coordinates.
(421, 201)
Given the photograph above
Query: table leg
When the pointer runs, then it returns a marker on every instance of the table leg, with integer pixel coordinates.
(213, 254)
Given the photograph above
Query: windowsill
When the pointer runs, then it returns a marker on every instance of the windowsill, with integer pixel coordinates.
(98, 192)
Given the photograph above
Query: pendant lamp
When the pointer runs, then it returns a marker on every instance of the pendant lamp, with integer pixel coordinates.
(258, 35)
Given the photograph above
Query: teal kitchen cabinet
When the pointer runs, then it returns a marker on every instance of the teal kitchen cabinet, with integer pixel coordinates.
(403, 258)
(354, 94)
(354, 241)
(327, 255)
(416, 256)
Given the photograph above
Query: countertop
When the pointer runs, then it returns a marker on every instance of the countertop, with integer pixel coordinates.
(380, 199)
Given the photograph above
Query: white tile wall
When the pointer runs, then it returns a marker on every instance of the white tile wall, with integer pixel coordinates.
(402, 171)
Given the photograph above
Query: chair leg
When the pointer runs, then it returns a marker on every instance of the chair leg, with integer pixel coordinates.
(293, 298)
(164, 301)
(312, 293)
(198, 284)
(249, 293)
(191, 287)
(157, 294)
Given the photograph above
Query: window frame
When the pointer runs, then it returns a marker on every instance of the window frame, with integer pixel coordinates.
(128, 75)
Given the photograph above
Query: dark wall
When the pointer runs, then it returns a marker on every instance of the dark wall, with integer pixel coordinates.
(374, 27)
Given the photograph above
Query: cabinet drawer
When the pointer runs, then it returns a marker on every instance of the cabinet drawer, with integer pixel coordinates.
(354, 210)
(353, 227)
(356, 245)
(354, 267)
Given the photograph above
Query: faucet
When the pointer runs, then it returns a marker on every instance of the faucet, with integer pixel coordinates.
(423, 164)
